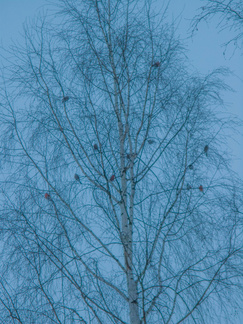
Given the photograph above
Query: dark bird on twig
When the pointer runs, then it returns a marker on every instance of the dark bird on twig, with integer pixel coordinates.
(150, 141)
(206, 149)
(65, 99)
(201, 188)
(112, 178)
(191, 167)
(131, 156)
(156, 64)
(76, 177)
(47, 196)
(95, 147)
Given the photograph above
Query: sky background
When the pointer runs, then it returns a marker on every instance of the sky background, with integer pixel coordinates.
(205, 52)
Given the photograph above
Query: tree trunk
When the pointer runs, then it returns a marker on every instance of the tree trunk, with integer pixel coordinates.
(126, 220)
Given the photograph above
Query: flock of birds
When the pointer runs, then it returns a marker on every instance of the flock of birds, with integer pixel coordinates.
(150, 141)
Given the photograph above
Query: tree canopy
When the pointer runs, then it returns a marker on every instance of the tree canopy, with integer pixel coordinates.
(118, 202)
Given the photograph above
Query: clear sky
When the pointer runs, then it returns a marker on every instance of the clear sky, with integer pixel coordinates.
(204, 50)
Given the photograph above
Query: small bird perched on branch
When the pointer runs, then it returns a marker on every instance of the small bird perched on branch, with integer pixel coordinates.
(201, 188)
(76, 177)
(65, 99)
(206, 149)
(47, 196)
(150, 141)
(131, 156)
(112, 178)
(190, 167)
(95, 147)
(156, 64)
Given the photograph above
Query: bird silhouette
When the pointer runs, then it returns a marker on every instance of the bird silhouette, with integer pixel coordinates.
(156, 64)
(112, 178)
(47, 196)
(95, 147)
(131, 156)
(206, 149)
(191, 167)
(76, 177)
(201, 188)
(150, 141)
(65, 99)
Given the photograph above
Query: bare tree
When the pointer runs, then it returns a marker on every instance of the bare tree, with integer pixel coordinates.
(230, 14)
(120, 206)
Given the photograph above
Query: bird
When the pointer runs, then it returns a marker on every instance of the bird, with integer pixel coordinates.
(112, 178)
(191, 167)
(156, 64)
(47, 196)
(150, 141)
(76, 177)
(95, 147)
(66, 98)
(188, 187)
(201, 188)
(206, 149)
(131, 156)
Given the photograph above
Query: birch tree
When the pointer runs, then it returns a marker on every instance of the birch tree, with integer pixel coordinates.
(230, 13)
(118, 202)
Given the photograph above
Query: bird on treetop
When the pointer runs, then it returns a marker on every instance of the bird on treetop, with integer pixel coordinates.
(47, 196)
(190, 167)
(206, 149)
(95, 147)
(65, 99)
(76, 177)
(156, 64)
(201, 188)
(112, 178)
